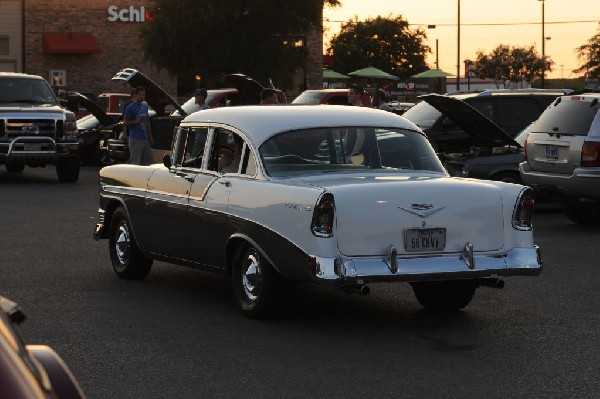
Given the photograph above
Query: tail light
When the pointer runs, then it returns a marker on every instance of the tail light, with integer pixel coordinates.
(590, 153)
(523, 215)
(323, 216)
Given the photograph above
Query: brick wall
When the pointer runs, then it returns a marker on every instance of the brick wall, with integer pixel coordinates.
(118, 43)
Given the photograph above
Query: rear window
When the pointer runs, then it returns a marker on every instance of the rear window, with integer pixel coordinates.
(567, 117)
(349, 148)
(308, 98)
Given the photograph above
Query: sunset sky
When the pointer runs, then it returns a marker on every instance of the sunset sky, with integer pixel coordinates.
(485, 24)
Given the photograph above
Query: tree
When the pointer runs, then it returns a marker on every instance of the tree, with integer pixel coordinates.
(590, 54)
(506, 64)
(385, 43)
(261, 38)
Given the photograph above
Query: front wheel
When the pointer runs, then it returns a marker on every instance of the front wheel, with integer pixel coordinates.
(15, 167)
(127, 259)
(444, 295)
(259, 290)
(67, 170)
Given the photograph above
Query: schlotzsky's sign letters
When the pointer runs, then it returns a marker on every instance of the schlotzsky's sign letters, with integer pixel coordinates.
(130, 14)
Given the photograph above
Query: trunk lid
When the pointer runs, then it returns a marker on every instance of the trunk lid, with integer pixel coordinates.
(375, 212)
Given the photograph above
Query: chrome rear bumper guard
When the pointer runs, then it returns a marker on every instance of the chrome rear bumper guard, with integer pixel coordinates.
(343, 271)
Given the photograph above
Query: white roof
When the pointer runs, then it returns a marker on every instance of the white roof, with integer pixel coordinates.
(261, 122)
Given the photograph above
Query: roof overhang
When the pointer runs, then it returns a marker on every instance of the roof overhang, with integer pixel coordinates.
(69, 43)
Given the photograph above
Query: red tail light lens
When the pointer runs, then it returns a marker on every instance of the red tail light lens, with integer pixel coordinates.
(523, 215)
(323, 216)
(590, 153)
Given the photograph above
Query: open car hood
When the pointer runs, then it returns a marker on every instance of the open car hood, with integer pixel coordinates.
(156, 97)
(249, 88)
(482, 131)
(93, 108)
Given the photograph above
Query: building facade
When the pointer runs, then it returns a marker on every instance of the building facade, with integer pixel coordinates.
(81, 44)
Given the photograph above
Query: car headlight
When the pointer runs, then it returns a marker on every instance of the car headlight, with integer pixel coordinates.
(71, 132)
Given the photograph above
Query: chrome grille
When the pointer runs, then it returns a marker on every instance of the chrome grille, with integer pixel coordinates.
(30, 127)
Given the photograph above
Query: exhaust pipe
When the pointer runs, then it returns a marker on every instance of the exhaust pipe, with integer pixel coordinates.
(360, 289)
(491, 282)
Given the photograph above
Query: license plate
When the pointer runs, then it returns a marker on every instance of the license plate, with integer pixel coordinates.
(421, 240)
(32, 147)
(552, 152)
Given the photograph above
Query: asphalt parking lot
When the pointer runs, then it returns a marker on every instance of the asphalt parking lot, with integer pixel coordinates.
(179, 333)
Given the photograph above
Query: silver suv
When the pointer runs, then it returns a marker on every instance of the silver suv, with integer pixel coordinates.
(562, 156)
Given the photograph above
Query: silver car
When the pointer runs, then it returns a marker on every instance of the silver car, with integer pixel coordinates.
(563, 156)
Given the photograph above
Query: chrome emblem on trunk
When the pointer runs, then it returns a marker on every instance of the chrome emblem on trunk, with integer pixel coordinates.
(422, 210)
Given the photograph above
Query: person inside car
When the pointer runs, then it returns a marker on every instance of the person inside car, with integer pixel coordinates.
(229, 159)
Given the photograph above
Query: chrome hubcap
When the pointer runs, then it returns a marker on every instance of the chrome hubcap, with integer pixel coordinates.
(252, 276)
(122, 243)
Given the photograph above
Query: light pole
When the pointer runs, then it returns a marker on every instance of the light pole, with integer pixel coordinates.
(458, 50)
(543, 46)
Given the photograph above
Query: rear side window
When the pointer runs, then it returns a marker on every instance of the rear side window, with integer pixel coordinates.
(567, 117)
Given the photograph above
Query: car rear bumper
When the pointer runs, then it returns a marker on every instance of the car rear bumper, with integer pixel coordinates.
(583, 183)
(342, 271)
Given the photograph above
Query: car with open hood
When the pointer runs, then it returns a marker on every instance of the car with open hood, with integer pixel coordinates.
(511, 110)
(490, 153)
(93, 128)
(339, 196)
(243, 91)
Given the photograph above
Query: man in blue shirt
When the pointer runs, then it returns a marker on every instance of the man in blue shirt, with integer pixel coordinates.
(138, 129)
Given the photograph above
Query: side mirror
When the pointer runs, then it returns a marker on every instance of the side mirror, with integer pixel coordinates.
(167, 161)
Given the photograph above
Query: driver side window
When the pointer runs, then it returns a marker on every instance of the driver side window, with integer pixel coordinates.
(194, 147)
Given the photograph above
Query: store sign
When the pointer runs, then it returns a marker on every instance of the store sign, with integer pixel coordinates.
(130, 14)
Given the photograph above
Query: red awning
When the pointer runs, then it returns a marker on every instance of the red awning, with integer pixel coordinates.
(69, 43)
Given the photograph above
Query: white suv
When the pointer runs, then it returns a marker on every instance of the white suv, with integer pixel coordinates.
(562, 155)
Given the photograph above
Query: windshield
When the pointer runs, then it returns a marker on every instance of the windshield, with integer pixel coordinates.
(347, 149)
(26, 91)
(423, 115)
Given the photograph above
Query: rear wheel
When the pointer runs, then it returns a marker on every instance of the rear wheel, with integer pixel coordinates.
(508, 177)
(67, 169)
(581, 213)
(259, 290)
(127, 259)
(15, 167)
(444, 295)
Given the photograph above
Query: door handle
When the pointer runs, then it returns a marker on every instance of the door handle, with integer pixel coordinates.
(226, 183)
(186, 176)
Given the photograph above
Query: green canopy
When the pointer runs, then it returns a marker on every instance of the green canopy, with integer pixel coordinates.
(374, 73)
(432, 73)
(330, 74)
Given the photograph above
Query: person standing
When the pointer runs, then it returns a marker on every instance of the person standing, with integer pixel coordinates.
(138, 129)
(355, 93)
(382, 99)
(200, 99)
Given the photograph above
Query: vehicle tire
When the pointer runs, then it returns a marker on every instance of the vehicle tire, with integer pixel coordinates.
(104, 159)
(259, 290)
(127, 259)
(444, 295)
(578, 212)
(15, 167)
(67, 170)
(508, 177)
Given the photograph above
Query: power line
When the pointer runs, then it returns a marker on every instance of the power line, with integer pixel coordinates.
(488, 23)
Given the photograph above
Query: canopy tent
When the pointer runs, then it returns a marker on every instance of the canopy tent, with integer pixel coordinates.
(373, 73)
(432, 73)
(331, 74)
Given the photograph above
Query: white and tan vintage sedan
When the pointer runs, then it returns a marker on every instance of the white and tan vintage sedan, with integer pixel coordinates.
(336, 195)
